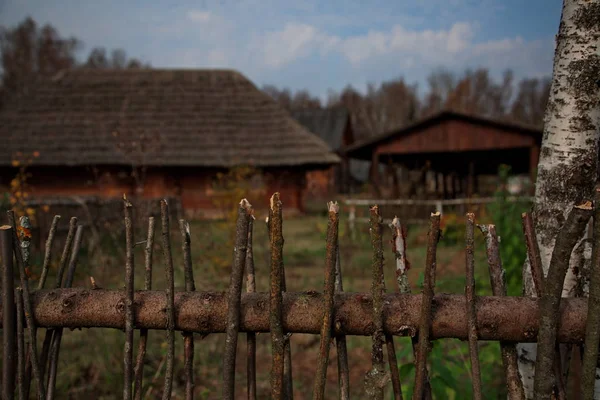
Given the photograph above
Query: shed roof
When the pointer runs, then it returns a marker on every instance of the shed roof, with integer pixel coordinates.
(364, 148)
(155, 117)
(328, 123)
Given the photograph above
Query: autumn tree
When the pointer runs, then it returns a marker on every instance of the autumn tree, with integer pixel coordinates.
(530, 103)
(29, 52)
(99, 58)
(292, 100)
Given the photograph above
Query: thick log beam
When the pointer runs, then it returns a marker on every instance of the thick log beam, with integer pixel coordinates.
(498, 318)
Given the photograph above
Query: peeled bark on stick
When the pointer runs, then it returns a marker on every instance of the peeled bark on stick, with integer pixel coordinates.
(567, 168)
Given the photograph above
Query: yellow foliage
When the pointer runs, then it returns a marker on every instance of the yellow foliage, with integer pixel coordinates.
(228, 190)
(19, 188)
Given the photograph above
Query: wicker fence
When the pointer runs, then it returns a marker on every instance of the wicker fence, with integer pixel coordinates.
(332, 314)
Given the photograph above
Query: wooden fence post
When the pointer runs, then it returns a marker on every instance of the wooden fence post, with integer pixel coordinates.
(9, 314)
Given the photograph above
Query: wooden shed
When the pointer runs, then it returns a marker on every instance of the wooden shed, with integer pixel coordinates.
(457, 147)
(334, 126)
(156, 133)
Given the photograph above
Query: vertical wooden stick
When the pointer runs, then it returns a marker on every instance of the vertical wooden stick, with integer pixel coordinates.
(170, 293)
(533, 253)
(188, 337)
(471, 310)
(50, 332)
(537, 273)
(20, 344)
(340, 341)
(234, 299)
(9, 314)
(592, 328)
(28, 307)
(129, 288)
(139, 365)
(326, 327)
(508, 350)
(402, 267)
(288, 389)
(64, 258)
(276, 298)
(41, 284)
(57, 337)
(566, 240)
(376, 378)
(393, 363)
(427, 298)
(48, 252)
(251, 336)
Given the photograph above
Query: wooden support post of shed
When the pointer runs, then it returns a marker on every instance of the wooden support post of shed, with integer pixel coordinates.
(444, 186)
(471, 180)
(375, 173)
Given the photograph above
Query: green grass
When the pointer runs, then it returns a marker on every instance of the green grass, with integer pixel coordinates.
(91, 360)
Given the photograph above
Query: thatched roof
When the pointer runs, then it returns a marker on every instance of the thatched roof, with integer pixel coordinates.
(328, 123)
(154, 117)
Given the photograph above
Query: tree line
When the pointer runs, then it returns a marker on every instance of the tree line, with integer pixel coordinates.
(396, 103)
(29, 51)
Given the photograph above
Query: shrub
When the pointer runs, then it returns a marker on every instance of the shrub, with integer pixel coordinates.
(507, 218)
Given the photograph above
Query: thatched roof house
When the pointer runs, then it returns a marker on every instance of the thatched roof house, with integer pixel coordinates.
(83, 128)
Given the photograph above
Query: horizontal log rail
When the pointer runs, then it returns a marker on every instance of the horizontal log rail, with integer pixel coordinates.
(498, 318)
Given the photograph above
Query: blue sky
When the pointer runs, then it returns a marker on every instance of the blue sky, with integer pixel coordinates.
(311, 44)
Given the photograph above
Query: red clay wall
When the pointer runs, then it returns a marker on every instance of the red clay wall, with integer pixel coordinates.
(193, 186)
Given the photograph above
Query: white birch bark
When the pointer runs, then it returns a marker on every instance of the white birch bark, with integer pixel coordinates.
(568, 162)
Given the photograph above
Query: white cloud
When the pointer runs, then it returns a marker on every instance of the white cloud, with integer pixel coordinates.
(199, 16)
(294, 41)
(454, 47)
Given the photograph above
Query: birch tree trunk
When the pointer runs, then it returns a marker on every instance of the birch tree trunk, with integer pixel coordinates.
(567, 169)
